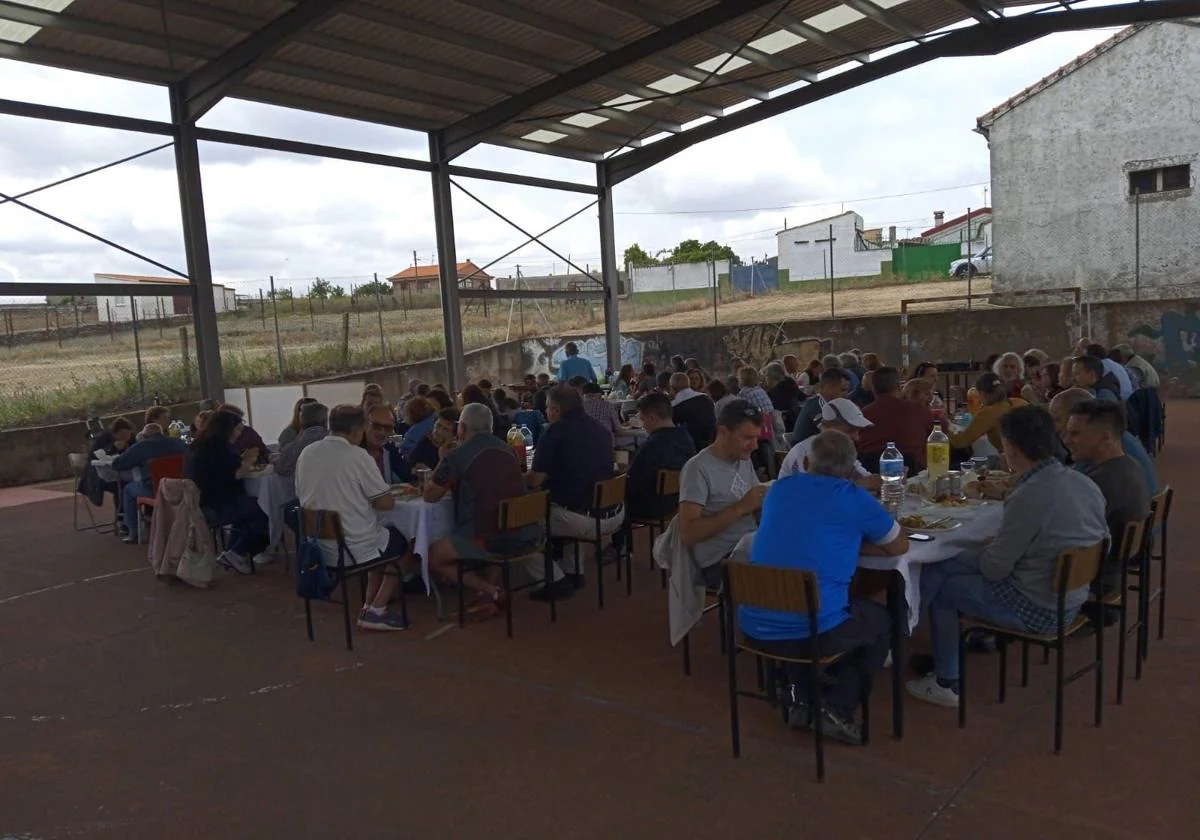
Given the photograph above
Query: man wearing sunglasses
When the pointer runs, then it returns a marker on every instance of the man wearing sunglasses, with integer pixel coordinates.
(719, 492)
(381, 425)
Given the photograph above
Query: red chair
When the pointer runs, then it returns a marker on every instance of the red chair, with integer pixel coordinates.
(167, 466)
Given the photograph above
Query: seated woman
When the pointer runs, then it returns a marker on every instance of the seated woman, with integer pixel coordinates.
(292, 429)
(419, 417)
(248, 439)
(112, 441)
(994, 404)
(623, 384)
(215, 466)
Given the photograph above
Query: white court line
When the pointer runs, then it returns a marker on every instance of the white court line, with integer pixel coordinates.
(58, 586)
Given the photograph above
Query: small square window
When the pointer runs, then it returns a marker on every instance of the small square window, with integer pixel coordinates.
(1176, 177)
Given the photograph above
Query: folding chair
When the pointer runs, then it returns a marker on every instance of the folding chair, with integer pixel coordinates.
(1076, 568)
(331, 529)
(783, 590)
(167, 466)
(514, 514)
(607, 496)
(80, 461)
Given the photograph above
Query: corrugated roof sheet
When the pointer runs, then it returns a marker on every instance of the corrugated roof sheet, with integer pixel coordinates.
(426, 64)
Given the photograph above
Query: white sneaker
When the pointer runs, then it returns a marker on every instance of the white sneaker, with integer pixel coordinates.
(887, 663)
(264, 558)
(234, 562)
(927, 689)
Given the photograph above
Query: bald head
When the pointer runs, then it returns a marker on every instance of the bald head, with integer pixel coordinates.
(1064, 402)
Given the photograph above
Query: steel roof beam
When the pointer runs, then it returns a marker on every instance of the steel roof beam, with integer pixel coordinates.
(638, 11)
(601, 43)
(88, 64)
(35, 111)
(205, 87)
(468, 132)
(23, 289)
(512, 55)
(334, 44)
(976, 10)
(973, 40)
(835, 44)
(891, 20)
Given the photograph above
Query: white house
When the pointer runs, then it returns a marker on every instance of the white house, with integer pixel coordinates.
(805, 251)
(951, 231)
(120, 308)
(676, 278)
(1094, 169)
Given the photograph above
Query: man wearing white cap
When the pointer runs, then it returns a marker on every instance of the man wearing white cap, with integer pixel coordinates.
(840, 414)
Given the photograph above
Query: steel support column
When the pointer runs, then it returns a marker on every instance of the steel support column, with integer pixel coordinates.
(608, 267)
(443, 220)
(195, 245)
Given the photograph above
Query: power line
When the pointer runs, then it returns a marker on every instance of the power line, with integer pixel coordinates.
(795, 206)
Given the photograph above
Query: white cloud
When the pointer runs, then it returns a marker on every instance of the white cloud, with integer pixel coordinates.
(302, 217)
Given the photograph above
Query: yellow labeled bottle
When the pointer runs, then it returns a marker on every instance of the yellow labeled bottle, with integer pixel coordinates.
(937, 453)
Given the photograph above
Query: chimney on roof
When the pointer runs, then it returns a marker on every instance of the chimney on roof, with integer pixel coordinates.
(892, 234)
(939, 216)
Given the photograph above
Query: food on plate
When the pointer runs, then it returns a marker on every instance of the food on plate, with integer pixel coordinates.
(914, 521)
(946, 500)
(404, 489)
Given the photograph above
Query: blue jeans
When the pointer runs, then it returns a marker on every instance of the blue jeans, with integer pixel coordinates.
(129, 498)
(249, 527)
(951, 587)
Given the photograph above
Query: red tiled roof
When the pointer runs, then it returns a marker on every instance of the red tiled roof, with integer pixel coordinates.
(430, 272)
(975, 214)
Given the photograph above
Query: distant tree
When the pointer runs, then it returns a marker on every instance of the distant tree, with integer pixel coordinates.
(337, 292)
(280, 294)
(320, 289)
(692, 250)
(638, 258)
(372, 287)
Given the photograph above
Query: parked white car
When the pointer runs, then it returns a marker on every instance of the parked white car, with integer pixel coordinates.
(980, 263)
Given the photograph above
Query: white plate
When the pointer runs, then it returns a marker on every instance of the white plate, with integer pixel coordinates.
(941, 527)
(932, 509)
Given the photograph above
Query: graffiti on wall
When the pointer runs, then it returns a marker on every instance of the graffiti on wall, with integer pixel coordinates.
(758, 344)
(544, 355)
(1172, 345)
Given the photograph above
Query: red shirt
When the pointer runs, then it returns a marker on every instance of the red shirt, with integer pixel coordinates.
(903, 422)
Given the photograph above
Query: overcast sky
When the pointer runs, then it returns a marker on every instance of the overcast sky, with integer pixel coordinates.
(909, 135)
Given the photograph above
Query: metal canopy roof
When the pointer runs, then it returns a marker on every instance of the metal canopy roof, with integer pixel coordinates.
(577, 78)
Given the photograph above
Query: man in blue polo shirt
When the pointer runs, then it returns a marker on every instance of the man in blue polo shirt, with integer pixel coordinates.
(573, 366)
(840, 521)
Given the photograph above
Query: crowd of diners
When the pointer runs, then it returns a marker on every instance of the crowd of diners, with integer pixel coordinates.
(1060, 428)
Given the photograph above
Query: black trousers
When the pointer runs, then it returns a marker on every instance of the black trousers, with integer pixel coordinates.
(866, 638)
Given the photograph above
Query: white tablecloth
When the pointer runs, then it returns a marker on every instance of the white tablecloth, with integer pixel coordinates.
(980, 524)
(423, 523)
(273, 492)
(105, 470)
(630, 439)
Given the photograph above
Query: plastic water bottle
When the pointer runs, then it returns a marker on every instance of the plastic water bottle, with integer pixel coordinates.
(937, 453)
(527, 437)
(937, 407)
(891, 471)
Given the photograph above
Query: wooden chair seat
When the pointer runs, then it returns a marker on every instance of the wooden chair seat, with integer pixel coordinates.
(968, 623)
(824, 660)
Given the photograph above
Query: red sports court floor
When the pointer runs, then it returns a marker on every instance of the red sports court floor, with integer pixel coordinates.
(131, 709)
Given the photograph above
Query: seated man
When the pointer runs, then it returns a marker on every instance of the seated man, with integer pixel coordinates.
(834, 383)
(1089, 374)
(482, 472)
(573, 454)
(158, 415)
(1011, 583)
(840, 415)
(1111, 366)
(893, 419)
(314, 419)
(1060, 409)
(542, 393)
(840, 521)
(1094, 437)
(719, 492)
(667, 448)
(693, 410)
(599, 409)
(428, 451)
(336, 474)
(381, 425)
(152, 443)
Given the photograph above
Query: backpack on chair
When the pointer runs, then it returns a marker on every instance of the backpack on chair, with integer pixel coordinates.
(314, 581)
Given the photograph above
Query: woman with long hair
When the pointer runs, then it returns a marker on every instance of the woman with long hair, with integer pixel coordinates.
(216, 468)
(623, 384)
